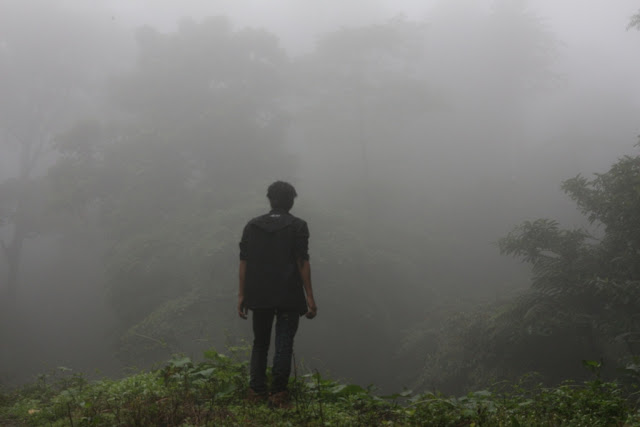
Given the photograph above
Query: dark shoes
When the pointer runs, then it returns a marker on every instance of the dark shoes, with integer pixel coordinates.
(280, 400)
(255, 398)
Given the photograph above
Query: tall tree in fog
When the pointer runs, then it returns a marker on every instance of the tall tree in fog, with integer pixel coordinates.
(50, 63)
(492, 65)
(585, 289)
(517, 66)
(212, 91)
(444, 100)
(357, 91)
(195, 136)
(356, 97)
(583, 302)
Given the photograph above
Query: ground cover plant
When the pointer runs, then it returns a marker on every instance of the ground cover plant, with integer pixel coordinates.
(212, 392)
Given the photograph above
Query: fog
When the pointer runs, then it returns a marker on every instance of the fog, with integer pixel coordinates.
(136, 139)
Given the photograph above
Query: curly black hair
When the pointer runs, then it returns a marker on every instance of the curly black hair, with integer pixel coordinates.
(281, 195)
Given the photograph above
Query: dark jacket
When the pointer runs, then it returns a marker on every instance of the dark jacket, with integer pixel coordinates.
(272, 244)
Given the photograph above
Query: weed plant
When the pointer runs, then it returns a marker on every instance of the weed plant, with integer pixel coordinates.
(212, 393)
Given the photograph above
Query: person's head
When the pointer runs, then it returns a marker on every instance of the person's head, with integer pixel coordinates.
(281, 195)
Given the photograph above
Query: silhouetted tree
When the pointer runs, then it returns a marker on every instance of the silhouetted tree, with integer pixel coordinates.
(44, 84)
(170, 177)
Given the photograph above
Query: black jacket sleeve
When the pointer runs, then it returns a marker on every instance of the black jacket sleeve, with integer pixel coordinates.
(302, 241)
(244, 244)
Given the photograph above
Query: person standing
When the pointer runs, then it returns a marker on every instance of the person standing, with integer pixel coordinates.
(275, 283)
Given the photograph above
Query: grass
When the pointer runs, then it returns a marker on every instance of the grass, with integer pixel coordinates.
(212, 393)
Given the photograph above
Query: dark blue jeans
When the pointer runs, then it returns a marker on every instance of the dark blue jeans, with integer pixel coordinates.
(286, 327)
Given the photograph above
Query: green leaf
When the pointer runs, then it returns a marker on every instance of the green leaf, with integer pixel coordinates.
(205, 372)
(180, 363)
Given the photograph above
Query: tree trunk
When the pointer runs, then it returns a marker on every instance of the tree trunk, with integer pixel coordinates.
(29, 154)
(14, 256)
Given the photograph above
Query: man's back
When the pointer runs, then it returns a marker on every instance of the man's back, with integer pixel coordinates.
(272, 246)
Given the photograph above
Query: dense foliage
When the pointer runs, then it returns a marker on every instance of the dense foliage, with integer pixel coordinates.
(212, 392)
(583, 302)
(170, 182)
(586, 286)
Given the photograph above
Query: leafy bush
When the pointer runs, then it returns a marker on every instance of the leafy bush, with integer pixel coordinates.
(212, 392)
(583, 301)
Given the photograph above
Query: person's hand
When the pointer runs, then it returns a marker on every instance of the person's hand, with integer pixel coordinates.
(313, 309)
(242, 310)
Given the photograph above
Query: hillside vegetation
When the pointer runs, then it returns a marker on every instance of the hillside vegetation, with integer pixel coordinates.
(211, 392)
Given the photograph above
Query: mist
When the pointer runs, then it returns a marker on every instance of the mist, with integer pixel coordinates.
(137, 138)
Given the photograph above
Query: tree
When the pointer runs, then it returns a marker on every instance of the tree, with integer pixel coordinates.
(51, 64)
(583, 302)
(587, 284)
(355, 101)
(360, 87)
(197, 126)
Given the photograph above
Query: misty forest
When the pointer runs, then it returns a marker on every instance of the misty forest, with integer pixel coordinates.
(469, 170)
